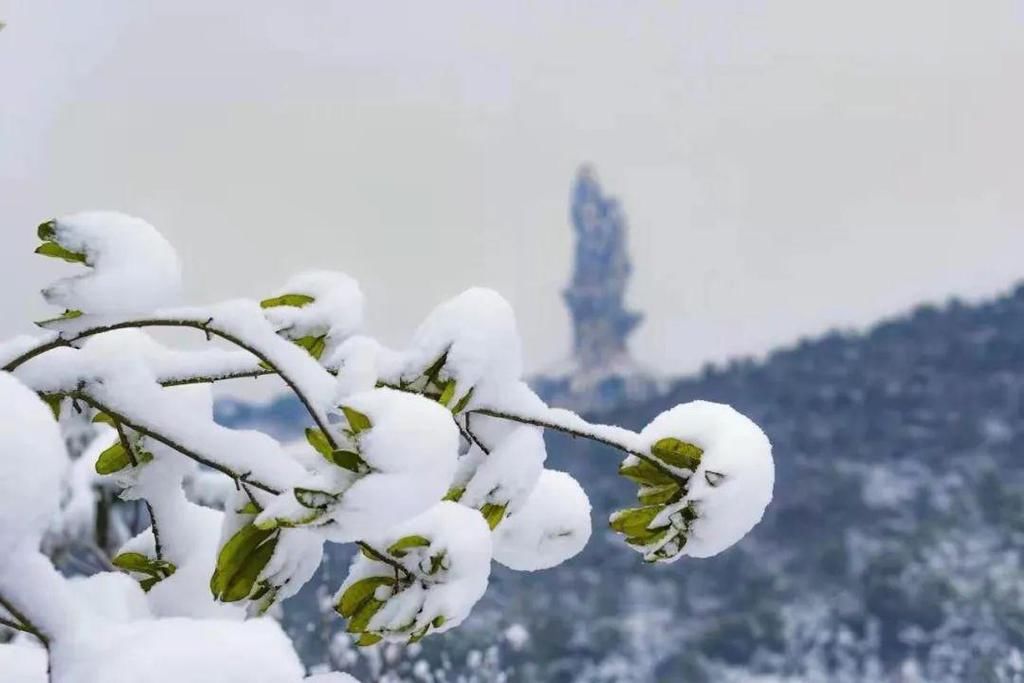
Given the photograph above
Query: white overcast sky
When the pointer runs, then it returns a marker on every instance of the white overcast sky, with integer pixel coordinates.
(786, 166)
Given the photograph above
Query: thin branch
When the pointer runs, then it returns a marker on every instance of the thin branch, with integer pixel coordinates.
(156, 531)
(171, 443)
(381, 557)
(206, 327)
(23, 622)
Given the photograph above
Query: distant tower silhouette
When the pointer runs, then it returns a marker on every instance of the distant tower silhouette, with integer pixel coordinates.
(601, 323)
(600, 374)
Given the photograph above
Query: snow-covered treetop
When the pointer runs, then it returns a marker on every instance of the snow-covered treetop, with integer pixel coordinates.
(430, 458)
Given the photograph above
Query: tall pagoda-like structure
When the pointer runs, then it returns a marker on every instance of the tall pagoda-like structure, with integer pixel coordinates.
(600, 373)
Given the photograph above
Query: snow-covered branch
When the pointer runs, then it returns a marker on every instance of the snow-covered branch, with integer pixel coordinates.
(431, 459)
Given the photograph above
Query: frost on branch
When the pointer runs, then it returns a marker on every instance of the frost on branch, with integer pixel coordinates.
(132, 267)
(706, 483)
(424, 576)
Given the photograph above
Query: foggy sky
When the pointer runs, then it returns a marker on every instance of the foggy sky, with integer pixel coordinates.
(786, 167)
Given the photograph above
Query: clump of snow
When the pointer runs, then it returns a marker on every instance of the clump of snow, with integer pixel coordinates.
(506, 475)
(33, 462)
(176, 650)
(444, 573)
(730, 488)
(335, 312)
(22, 663)
(552, 526)
(133, 268)
(517, 636)
(410, 452)
(361, 361)
(477, 330)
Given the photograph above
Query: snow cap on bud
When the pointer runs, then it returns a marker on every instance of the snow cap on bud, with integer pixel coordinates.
(468, 341)
(132, 268)
(705, 484)
(422, 576)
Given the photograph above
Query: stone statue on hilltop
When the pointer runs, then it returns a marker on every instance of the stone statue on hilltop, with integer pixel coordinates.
(601, 373)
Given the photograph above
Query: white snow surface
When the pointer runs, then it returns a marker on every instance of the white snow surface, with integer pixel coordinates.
(737, 458)
(552, 526)
(22, 663)
(507, 474)
(177, 650)
(33, 462)
(132, 268)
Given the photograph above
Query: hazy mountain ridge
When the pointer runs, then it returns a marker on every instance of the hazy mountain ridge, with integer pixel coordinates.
(891, 551)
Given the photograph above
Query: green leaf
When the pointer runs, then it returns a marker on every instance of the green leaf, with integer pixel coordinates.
(233, 554)
(66, 315)
(493, 514)
(659, 495)
(314, 345)
(146, 584)
(401, 547)
(54, 250)
(296, 300)
(48, 230)
(114, 459)
(369, 639)
(359, 592)
(347, 460)
(240, 583)
(249, 508)
(454, 493)
(357, 422)
(438, 621)
(133, 562)
(318, 440)
(448, 393)
(677, 453)
(645, 473)
(53, 401)
(463, 402)
(314, 499)
(432, 372)
(104, 418)
(361, 619)
(633, 522)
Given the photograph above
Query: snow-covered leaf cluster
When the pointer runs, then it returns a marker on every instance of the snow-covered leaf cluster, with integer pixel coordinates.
(431, 458)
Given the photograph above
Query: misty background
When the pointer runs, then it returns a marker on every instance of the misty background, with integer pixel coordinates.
(785, 167)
